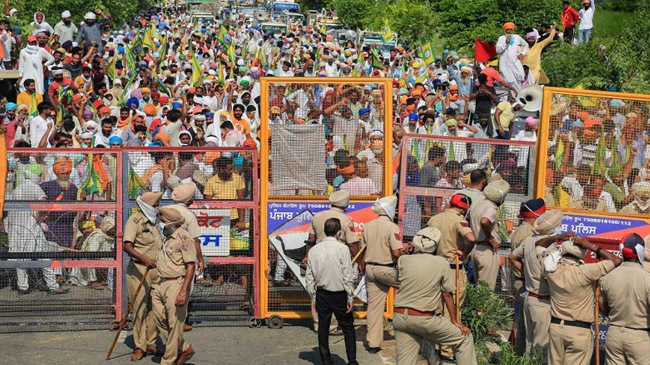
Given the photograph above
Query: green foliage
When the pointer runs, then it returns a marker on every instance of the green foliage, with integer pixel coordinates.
(483, 310)
(630, 54)
(411, 20)
(356, 13)
(567, 65)
(507, 356)
(118, 9)
(460, 21)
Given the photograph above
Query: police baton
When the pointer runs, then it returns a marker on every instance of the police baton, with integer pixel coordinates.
(126, 314)
(457, 288)
(597, 324)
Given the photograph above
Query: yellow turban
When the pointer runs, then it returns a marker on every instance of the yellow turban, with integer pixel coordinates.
(88, 224)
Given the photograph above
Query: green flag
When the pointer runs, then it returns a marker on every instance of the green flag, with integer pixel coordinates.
(427, 53)
(197, 73)
(111, 71)
(376, 61)
(135, 185)
(221, 35)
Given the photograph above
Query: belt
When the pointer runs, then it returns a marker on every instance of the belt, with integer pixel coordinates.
(535, 295)
(580, 324)
(453, 266)
(632, 328)
(162, 280)
(378, 264)
(413, 312)
(329, 291)
(484, 243)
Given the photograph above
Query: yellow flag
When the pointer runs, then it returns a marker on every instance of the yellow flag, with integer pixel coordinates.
(427, 53)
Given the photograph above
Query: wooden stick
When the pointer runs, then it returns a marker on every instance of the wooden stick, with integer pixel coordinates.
(457, 288)
(358, 254)
(597, 325)
(126, 314)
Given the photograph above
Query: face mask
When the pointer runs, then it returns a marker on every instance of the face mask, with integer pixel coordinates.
(167, 231)
(378, 151)
(161, 227)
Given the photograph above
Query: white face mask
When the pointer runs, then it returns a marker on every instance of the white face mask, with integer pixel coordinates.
(377, 152)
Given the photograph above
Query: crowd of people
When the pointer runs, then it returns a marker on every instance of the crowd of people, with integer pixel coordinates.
(162, 80)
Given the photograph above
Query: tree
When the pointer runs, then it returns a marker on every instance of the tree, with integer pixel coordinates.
(411, 20)
(356, 13)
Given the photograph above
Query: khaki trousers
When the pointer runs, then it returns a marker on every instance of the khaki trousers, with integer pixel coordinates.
(334, 324)
(145, 330)
(570, 345)
(170, 318)
(626, 346)
(537, 318)
(462, 285)
(486, 265)
(520, 340)
(380, 280)
(412, 331)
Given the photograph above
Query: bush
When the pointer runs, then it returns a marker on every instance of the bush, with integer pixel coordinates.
(484, 310)
(567, 66)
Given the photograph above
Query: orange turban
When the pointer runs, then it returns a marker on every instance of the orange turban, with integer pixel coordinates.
(346, 170)
(150, 109)
(62, 165)
(211, 156)
(509, 26)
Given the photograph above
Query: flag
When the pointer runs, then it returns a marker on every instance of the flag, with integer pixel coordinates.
(96, 177)
(162, 51)
(148, 40)
(122, 98)
(600, 167)
(231, 51)
(376, 61)
(559, 154)
(617, 160)
(220, 76)
(162, 88)
(197, 73)
(427, 53)
(135, 185)
(131, 60)
(483, 51)
(388, 35)
(221, 35)
(111, 71)
(585, 101)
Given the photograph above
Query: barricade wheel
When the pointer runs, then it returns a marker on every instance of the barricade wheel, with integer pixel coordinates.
(275, 322)
(254, 322)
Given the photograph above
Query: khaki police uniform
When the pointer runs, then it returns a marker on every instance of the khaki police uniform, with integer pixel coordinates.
(626, 292)
(572, 310)
(348, 235)
(453, 228)
(381, 236)
(517, 239)
(147, 240)
(484, 260)
(423, 277)
(537, 305)
(177, 251)
(474, 194)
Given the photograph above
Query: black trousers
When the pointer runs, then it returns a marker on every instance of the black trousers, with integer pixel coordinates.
(328, 302)
(568, 34)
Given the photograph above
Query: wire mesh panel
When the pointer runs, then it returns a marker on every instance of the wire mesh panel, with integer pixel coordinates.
(597, 155)
(433, 168)
(226, 205)
(59, 240)
(320, 136)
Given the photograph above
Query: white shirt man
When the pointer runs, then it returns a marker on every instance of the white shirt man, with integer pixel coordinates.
(37, 129)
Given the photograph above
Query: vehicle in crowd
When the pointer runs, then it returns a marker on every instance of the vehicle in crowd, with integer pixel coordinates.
(274, 28)
(369, 38)
(291, 18)
(279, 7)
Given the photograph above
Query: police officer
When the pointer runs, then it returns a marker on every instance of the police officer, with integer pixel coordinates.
(529, 211)
(142, 240)
(483, 220)
(477, 183)
(456, 238)
(383, 247)
(183, 195)
(536, 311)
(572, 301)
(625, 299)
(424, 281)
(175, 261)
(339, 203)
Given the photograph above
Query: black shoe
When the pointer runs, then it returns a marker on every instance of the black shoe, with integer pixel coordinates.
(374, 350)
(23, 292)
(444, 358)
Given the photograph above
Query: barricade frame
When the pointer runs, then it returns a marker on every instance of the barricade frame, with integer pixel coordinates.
(266, 198)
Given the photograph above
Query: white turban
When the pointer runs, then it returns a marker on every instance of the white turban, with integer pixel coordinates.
(66, 14)
(90, 16)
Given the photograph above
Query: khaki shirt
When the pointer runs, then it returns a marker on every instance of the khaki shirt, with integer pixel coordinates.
(517, 238)
(484, 209)
(423, 278)
(381, 236)
(317, 226)
(572, 289)
(146, 237)
(626, 291)
(177, 251)
(453, 228)
(531, 257)
(190, 225)
(474, 194)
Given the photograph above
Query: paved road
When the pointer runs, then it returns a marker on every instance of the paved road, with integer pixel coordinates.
(213, 345)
